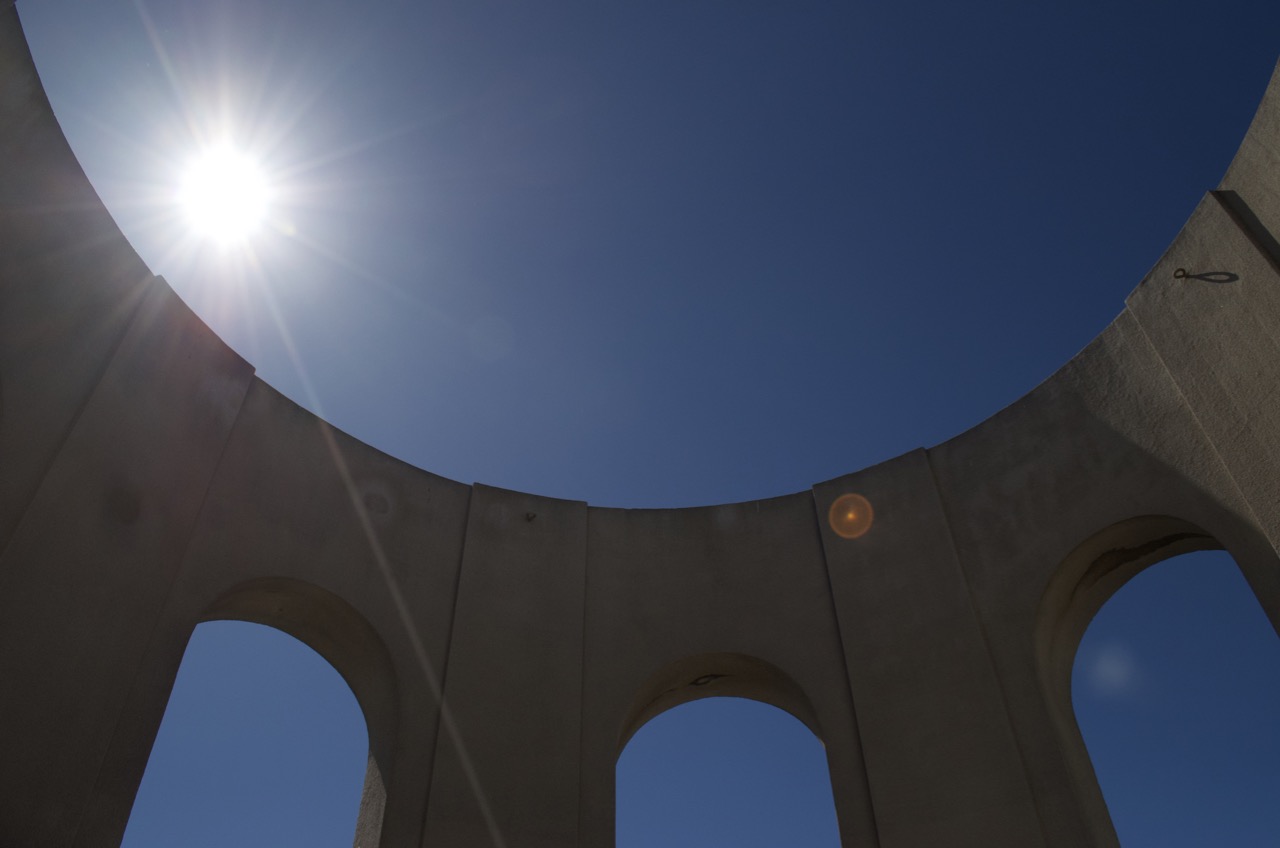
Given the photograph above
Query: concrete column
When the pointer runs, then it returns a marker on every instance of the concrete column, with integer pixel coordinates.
(69, 283)
(729, 600)
(352, 552)
(942, 762)
(507, 764)
(87, 570)
(1108, 439)
(125, 758)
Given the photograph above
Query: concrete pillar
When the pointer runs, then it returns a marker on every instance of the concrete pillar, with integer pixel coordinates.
(87, 569)
(928, 700)
(505, 646)
(727, 600)
(354, 553)
(67, 290)
(507, 766)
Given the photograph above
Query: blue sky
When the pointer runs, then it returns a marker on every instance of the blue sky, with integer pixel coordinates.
(663, 254)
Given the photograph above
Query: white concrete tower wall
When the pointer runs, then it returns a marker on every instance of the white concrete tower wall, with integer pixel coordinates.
(504, 646)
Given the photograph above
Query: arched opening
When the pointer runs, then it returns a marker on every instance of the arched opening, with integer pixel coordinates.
(723, 749)
(724, 771)
(1170, 699)
(1175, 690)
(278, 628)
(262, 744)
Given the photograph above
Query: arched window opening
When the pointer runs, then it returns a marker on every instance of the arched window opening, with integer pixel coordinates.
(1176, 687)
(262, 744)
(724, 772)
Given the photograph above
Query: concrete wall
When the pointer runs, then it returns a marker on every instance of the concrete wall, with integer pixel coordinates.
(151, 482)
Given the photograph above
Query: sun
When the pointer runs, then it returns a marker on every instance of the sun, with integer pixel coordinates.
(224, 195)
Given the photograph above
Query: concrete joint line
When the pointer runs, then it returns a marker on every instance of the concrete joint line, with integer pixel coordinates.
(1204, 434)
(986, 643)
(107, 362)
(844, 662)
(437, 681)
(168, 592)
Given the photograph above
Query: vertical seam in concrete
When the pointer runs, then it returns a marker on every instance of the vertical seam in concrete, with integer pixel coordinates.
(986, 643)
(439, 683)
(457, 591)
(107, 362)
(1217, 455)
(582, 673)
(164, 604)
(844, 667)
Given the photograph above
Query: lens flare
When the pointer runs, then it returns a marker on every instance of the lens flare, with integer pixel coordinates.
(224, 195)
(850, 516)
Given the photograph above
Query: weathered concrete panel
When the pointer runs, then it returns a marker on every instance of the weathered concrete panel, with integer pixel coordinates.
(1107, 438)
(726, 600)
(298, 504)
(150, 483)
(69, 282)
(928, 700)
(507, 768)
(87, 570)
(1216, 329)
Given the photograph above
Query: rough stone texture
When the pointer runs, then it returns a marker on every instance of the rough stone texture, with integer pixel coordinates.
(150, 482)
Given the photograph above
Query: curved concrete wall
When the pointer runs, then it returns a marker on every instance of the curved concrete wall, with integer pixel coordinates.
(151, 482)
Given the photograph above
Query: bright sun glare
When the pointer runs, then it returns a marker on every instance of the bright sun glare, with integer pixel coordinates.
(224, 195)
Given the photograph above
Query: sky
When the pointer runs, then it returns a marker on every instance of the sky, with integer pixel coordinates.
(679, 253)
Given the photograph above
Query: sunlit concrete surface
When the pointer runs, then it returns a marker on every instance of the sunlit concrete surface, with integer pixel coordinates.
(150, 482)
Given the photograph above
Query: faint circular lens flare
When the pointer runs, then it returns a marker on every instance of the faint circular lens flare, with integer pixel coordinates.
(850, 516)
(224, 195)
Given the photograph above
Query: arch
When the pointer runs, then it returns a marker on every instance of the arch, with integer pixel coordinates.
(261, 741)
(1091, 574)
(734, 675)
(342, 636)
(725, 771)
(714, 675)
(1173, 690)
(1085, 580)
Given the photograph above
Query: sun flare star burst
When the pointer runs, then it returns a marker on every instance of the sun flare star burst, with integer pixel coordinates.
(224, 195)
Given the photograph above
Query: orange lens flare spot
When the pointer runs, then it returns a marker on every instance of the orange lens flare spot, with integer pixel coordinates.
(850, 516)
